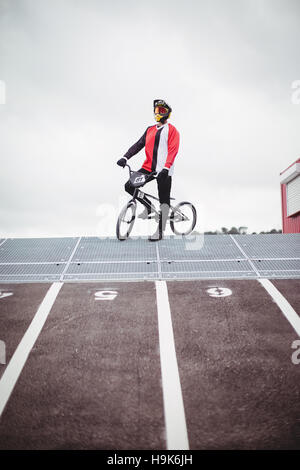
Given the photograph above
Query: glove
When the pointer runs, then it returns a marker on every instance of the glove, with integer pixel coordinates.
(122, 162)
(162, 176)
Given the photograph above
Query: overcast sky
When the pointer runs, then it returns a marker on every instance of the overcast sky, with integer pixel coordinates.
(80, 78)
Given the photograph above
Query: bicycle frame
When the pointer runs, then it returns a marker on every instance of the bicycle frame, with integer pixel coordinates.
(175, 213)
(138, 193)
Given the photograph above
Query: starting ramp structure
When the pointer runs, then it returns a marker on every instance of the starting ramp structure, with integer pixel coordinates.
(77, 259)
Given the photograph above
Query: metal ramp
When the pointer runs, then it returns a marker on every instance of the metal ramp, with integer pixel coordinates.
(275, 256)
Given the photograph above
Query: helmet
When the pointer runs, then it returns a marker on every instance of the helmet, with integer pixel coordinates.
(162, 110)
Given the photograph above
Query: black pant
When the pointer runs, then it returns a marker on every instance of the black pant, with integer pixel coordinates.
(164, 190)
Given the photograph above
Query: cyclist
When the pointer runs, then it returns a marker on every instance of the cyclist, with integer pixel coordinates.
(161, 143)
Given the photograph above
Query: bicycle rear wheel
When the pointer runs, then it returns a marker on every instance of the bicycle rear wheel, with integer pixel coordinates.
(183, 218)
(126, 220)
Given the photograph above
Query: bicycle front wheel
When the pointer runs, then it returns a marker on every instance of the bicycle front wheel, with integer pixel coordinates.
(126, 220)
(183, 218)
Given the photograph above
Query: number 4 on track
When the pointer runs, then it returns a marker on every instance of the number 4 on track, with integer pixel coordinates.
(5, 294)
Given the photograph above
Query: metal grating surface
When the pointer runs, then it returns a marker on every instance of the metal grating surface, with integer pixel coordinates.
(111, 249)
(277, 265)
(30, 278)
(207, 266)
(280, 274)
(202, 247)
(209, 275)
(94, 258)
(26, 269)
(138, 270)
(25, 250)
(270, 245)
(90, 268)
(31, 272)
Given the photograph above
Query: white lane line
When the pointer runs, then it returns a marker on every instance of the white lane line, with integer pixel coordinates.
(158, 262)
(244, 254)
(176, 430)
(288, 311)
(3, 241)
(70, 259)
(17, 362)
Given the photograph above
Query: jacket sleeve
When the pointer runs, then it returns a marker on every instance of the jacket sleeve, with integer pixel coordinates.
(135, 148)
(173, 146)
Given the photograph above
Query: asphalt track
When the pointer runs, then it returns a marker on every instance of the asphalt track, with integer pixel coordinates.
(93, 379)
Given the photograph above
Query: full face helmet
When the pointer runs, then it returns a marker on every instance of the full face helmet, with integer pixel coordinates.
(162, 111)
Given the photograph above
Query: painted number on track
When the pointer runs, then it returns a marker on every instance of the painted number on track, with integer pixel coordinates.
(218, 292)
(5, 294)
(106, 295)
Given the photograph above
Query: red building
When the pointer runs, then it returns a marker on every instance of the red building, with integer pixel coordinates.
(290, 198)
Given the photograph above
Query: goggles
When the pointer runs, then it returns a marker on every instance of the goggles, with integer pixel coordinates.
(161, 110)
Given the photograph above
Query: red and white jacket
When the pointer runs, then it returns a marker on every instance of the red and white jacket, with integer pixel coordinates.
(161, 147)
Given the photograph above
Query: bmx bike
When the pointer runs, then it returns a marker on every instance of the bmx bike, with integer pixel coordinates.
(182, 217)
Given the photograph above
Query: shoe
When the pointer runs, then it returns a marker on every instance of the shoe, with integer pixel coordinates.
(163, 214)
(146, 214)
(158, 235)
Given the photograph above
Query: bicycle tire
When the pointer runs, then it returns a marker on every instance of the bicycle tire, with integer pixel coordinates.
(130, 205)
(173, 221)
